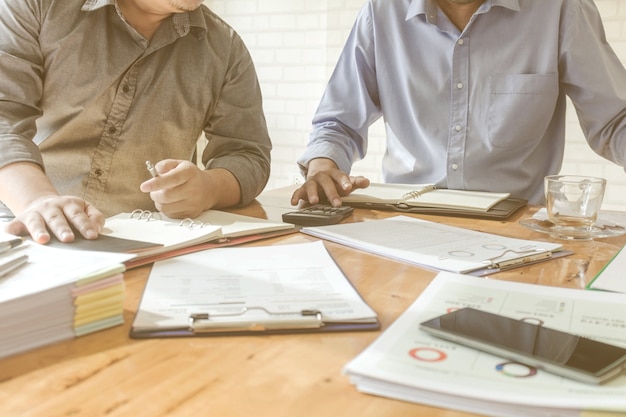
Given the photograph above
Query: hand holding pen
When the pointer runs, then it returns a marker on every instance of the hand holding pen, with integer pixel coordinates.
(151, 169)
(184, 189)
(179, 188)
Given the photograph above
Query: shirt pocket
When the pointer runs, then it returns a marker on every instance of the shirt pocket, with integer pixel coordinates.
(521, 107)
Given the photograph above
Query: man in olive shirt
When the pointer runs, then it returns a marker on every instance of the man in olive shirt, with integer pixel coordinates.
(92, 89)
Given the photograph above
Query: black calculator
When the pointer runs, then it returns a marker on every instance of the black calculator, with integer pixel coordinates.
(318, 215)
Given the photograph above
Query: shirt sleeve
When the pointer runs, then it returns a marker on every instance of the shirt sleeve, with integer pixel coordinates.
(237, 134)
(21, 68)
(594, 79)
(350, 103)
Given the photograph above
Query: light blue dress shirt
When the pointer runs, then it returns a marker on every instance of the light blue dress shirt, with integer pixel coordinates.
(481, 109)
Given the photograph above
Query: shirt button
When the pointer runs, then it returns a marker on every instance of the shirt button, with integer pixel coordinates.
(460, 42)
(455, 167)
(112, 130)
(98, 172)
(460, 86)
(458, 128)
(126, 89)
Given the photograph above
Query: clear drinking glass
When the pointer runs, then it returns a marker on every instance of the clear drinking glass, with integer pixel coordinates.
(574, 201)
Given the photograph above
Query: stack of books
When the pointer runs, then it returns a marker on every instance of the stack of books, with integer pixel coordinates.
(57, 294)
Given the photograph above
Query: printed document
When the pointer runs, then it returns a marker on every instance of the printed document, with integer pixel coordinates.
(244, 284)
(436, 246)
(406, 363)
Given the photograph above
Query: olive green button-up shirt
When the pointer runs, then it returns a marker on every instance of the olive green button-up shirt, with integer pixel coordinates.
(89, 99)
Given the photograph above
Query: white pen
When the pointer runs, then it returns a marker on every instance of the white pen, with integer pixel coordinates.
(10, 244)
(151, 169)
(13, 264)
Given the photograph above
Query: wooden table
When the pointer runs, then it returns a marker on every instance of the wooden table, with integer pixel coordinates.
(109, 374)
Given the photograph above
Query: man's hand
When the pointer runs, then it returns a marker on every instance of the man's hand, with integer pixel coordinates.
(325, 178)
(182, 189)
(40, 210)
(60, 215)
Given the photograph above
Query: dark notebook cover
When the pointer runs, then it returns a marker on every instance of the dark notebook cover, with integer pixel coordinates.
(502, 210)
(104, 243)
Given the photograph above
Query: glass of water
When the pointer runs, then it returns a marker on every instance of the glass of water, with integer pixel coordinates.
(574, 201)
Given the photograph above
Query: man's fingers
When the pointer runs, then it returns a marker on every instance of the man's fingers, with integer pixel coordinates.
(18, 228)
(333, 184)
(311, 191)
(341, 180)
(57, 224)
(58, 216)
(84, 218)
(35, 225)
(360, 182)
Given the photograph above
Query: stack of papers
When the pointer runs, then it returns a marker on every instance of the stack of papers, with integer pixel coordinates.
(58, 295)
(406, 363)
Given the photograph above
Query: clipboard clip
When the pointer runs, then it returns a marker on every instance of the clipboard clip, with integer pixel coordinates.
(526, 258)
(210, 323)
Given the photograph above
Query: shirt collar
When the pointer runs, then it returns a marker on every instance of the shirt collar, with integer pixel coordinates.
(90, 5)
(429, 8)
(183, 22)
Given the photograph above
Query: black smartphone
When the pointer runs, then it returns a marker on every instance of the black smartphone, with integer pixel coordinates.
(532, 344)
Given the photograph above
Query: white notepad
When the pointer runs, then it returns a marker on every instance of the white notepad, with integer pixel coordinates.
(425, 195)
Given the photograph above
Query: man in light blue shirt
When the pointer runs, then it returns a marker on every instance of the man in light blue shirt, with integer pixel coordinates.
(472, 93)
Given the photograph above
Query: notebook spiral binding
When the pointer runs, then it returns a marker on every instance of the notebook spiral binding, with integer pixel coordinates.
(148, 215)
(417, 193)
(191, 223)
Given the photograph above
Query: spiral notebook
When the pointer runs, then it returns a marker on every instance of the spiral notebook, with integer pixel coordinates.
(152, 236)
(164, 235)
(428, 199)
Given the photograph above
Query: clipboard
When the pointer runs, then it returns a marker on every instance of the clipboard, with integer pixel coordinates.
(293, 288)
(205, 324)
(438, 246)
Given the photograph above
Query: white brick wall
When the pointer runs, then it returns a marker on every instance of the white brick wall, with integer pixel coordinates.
(295, 44)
